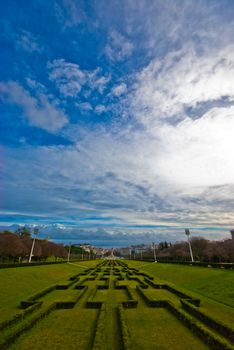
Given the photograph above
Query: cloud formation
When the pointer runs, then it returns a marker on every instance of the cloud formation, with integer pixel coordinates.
(70, 79)
(118, 47)
(183, 80)
(140, 98)
(38, 110)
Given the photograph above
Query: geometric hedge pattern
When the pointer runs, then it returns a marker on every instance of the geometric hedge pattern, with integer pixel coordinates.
(119, 294)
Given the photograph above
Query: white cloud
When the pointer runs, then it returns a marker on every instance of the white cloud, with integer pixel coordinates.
(85, 106)
(70, 79)
(119, 89)
(99, 109)
(118, 47)
(28, 42)
(181, 80)
(197, 154)
(39, 110)
(181, 174)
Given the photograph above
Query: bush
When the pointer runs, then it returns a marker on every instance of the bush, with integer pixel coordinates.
(41, 293)
(21, 316)
(217, 326)
(214, 341)
(15, 335)
(99, 338)
(124, 329)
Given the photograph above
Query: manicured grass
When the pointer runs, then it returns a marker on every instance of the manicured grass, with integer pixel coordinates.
(21, 282)
(213, 286)
(213, 283)
(157, 329)
(149, 322)
(63, 329)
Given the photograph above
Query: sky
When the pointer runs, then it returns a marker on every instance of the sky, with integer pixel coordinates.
(117, 118)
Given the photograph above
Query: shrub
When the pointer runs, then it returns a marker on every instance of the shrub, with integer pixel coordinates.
(124, 329)
(216, 325)
(213, 340)
(99, 338)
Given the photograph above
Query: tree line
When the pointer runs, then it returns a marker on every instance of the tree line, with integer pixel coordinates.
(17, 246)
(203, 250)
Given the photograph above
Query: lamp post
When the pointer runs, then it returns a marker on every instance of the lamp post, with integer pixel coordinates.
(35, 231)
(130, 253)
(232, 234)
(187, 232)
(69, 253)
(154, 248)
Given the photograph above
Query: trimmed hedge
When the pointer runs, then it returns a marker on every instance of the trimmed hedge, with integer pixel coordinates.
(125, 334)
(210, 322)
(34, 297)
(149, 301)
(150, 282)
(15, 335)
(99, 338)
(174, 290)
(131, 303)
(71, 303)
(90, 303)
(5, 266)
(19, 317)
(74, 277)
(214, 341)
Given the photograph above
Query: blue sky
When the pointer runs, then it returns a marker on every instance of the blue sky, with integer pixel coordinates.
(117, 117)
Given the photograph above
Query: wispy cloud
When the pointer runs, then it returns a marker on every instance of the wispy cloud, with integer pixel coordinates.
(70, 79)
(130, 179)
(151, 88)
(27, 41)
(39, 110)
(119, 90)
(183, 80)
(118, 47)
(99, 109)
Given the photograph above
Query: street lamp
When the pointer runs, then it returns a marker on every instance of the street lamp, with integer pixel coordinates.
(130, 253)
(232, 234)
(69, 253)
(35, 231)
(154, 248)
(187, 232)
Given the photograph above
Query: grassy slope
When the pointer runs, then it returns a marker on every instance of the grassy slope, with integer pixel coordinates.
(213, 286)
(19, 283)
(216, 284)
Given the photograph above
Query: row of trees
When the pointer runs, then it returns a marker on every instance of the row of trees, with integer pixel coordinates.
(17, 247)
(203, 250)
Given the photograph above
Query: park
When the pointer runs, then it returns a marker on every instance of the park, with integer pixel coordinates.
(116, 304)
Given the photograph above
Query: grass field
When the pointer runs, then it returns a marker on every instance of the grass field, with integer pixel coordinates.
(19, 283)
(76, 318)
(215, 287)
(213, 283)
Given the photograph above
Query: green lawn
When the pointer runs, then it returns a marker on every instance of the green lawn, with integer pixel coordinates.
(215, 287)
(75, 328)
(157, 329)
(19, 283)
(63, 329)
(217, 284)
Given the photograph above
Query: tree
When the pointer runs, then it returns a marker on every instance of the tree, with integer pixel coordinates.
(11, 246)
(199, 246)
(23, 231)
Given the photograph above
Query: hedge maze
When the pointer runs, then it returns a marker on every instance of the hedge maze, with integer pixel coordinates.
(113, 306)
